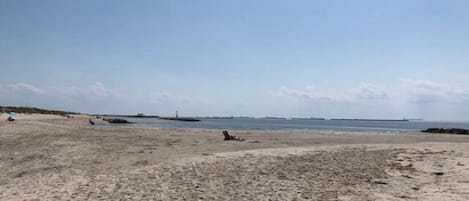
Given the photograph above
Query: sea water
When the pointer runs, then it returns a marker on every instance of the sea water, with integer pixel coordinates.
(300, 124)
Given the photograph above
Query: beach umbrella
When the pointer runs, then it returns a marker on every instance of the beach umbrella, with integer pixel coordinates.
(12, 113)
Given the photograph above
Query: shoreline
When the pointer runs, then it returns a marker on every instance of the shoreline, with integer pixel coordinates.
(274, 132)
(286, 130)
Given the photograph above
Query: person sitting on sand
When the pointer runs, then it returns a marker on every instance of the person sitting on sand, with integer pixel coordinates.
(10, 119)
(231, 137)
(91, 122)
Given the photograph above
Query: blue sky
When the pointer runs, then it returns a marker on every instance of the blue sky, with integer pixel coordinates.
(344, 59)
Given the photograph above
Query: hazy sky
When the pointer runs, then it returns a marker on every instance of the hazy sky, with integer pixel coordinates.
(344, 59)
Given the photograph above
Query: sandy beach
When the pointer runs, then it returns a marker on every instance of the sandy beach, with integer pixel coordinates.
(46, 157)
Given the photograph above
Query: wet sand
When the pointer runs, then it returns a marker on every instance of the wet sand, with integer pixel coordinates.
(45, 157)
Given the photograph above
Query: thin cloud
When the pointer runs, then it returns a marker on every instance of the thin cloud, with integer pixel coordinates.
(370, 91)
(409, 98)
(414, 91)
(96, 90)
(20, 87)
(405, 98)
(426, 92)
(364, 91)
(164, 97)
(97, 98)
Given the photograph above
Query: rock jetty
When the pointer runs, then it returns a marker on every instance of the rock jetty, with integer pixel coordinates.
(447, 130)
(117, 121)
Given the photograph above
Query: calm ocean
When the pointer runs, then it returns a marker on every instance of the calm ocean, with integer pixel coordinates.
(300, 125)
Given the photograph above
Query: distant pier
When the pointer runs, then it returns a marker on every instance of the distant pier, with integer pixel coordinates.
(190, 119)
(369, 120)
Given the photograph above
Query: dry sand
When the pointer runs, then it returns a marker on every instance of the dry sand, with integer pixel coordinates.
(44, 157)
